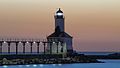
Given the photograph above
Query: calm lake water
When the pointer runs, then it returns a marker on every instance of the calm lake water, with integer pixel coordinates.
(108, 64)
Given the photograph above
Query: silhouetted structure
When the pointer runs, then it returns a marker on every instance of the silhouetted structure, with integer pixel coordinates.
(23, 42)
(60, 35)
(58, 42)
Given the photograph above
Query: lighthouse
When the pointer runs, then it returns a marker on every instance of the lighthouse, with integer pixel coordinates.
(59, 21)
(59, 34)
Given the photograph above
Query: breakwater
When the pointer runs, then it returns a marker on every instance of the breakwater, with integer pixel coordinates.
(44, 59)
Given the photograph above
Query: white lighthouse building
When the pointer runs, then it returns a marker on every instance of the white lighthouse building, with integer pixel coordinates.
(59, 35)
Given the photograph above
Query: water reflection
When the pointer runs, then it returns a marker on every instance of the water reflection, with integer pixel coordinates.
(5, 66)
(34, 65)
(41, 65)
(27, 65)
(60, 64)
(108, 64)
(54, 64)
(20, 65)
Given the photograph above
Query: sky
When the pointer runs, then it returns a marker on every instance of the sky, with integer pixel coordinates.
(94, 24)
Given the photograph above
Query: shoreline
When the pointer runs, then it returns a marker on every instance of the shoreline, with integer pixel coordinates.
(45, 59)
(27, 59)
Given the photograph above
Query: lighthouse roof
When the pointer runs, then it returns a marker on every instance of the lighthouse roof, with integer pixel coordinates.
(61, 34)
(59, 11)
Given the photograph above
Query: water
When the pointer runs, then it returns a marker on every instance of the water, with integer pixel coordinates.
(98, 53)
(108, 64)
(86, 53)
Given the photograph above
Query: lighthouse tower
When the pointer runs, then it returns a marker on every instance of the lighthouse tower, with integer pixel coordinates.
(59, 21)
(59, 35)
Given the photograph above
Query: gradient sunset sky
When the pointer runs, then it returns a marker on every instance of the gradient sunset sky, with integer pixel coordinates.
(94, 24)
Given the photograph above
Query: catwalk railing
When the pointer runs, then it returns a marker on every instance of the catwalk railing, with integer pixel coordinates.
(24, 42)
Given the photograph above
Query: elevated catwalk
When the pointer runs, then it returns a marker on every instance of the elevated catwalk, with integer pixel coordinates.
(39, 43)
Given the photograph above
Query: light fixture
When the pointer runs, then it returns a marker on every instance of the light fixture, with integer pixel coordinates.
(59, 14)
(34, 42)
